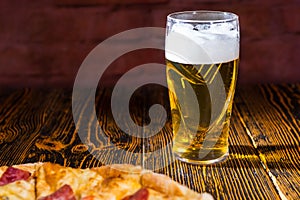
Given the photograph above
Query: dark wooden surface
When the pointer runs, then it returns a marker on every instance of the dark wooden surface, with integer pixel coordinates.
(37, 125)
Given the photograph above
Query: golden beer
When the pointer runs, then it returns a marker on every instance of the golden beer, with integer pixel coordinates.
(188, 143)
(202, 53)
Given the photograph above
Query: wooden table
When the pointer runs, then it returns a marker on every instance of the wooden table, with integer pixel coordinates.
(37, 125)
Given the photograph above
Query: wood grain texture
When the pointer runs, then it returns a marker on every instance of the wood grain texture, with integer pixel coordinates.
(38, 125)
(273, 125)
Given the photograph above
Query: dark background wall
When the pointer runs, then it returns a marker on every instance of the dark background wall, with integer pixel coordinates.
(43, 43)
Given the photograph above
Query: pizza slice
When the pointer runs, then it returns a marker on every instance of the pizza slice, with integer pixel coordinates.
(54, 181)
(119, 181)
(129, 182)
(17, 182)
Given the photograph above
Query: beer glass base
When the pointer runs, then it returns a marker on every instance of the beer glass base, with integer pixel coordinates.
(203, 162)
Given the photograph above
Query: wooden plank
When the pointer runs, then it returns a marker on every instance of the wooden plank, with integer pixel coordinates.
(23, 114)
(107, 142)
(270, 115)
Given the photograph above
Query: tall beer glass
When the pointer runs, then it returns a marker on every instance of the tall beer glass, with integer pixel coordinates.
(202, 53)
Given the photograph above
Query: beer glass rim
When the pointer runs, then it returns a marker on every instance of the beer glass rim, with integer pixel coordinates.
(203, 16)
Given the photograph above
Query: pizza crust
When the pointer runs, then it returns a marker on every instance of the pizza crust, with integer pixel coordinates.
(162, 183)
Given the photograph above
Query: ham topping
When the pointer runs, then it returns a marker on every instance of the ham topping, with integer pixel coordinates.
(13, 174)
(63, 193)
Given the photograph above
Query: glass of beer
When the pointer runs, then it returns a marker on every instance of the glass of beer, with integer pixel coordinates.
(202, 54)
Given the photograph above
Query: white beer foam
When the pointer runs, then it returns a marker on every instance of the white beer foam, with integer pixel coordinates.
(213, 45)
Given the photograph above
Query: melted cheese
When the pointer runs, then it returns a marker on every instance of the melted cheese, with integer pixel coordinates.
(51, 177)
